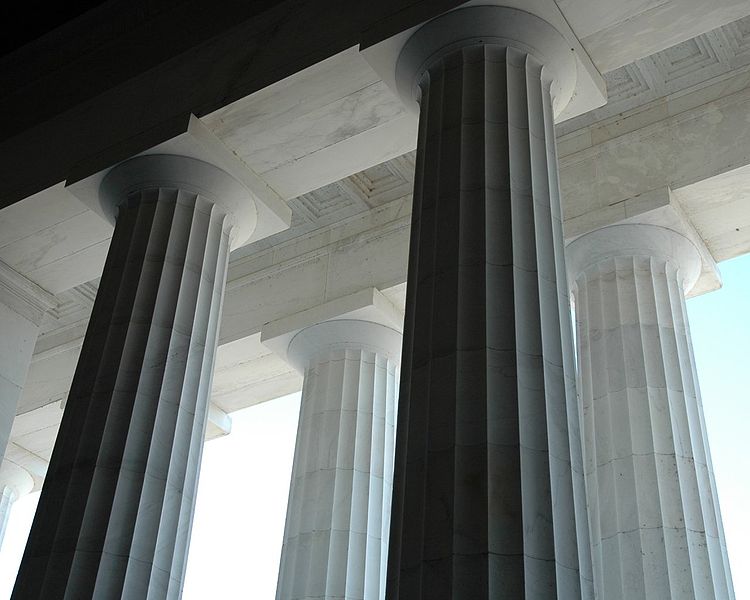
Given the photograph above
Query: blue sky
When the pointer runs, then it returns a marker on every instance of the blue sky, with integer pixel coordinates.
(720, 326)
(244, 482)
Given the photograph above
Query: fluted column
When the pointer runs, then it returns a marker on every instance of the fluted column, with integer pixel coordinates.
(336, 536)
(655, 522)
(488, 474)
(115, 512)
(15, 482)
(22, 307)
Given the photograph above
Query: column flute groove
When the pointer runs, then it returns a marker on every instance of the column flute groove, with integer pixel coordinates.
(342, 478)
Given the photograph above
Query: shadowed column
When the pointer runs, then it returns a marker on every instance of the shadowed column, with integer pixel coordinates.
(115, 512)
(488, 468)
(655, 521)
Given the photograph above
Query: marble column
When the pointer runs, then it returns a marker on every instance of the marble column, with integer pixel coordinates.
(15, 482)
(336, 536)
(115, 511)
(488, 469)
(654, 515)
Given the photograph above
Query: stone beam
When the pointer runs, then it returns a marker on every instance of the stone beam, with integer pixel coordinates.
(123, 74)
(625, 165)
(616, 170)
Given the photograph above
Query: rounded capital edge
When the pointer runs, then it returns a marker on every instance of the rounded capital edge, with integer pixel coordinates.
(185, 173)
(340, 334)
(633, 240)
(488, 24)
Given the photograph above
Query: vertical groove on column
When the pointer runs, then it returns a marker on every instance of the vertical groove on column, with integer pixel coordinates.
(215, 296)
(690, 550)
(119, 494)
(333, 546)
(588, 359)
(614, 500)
(654, 524)
(577, 513)
(484, 500)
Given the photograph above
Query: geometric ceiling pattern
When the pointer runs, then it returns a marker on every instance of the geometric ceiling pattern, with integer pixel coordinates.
(718, 52)
(342, 199)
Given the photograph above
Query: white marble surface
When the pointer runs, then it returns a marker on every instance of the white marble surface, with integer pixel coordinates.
(655, 521)
(320, 125)
(54, 239)
(615, 34)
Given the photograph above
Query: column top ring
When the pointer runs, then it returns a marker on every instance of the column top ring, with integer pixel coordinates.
(634, 239)
(490, 25)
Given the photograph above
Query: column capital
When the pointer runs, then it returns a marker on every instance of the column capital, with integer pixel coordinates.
(631, 240)
(538, 29)
(168, 171)
(23, 295)
(487, 25)
(363, 320)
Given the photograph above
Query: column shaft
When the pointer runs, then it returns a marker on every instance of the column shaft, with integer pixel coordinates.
(115, 512)
(655, 521)
(336, 537)
(485, 495)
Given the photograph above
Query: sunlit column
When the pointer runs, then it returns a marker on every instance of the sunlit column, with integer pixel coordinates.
(655, 522)
(336, 536)
(116, 508)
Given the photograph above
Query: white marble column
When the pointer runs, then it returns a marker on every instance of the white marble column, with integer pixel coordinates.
(15, 482)
(116, 508)
(655, 522)
(336, 536)
(488, 477)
